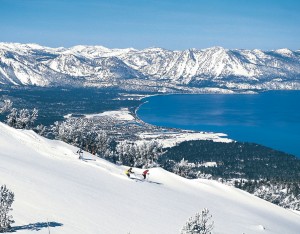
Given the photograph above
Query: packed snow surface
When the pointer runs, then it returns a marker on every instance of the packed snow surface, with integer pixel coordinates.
(93, 196)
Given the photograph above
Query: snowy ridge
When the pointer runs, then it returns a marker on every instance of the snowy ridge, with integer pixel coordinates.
(94, 196)
(152, 68)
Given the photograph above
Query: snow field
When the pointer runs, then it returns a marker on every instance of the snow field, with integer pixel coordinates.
(94, 196)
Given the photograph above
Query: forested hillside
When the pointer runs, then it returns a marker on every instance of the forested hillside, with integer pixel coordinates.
(270, 174)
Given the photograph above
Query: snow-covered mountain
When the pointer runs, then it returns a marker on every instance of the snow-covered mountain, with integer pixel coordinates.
(31, 64)
(52, 185)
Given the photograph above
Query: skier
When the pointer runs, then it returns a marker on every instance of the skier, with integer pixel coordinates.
(145, 173)
(128, 172)
(80, 153)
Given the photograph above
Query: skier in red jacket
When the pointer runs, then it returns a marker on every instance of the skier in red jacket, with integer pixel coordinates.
(145, 173)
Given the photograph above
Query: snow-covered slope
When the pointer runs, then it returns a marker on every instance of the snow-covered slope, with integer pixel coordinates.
(94, 196)
(31, 64)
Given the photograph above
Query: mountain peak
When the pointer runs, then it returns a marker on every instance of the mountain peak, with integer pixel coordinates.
(216, 48)
(80, 48)
(284, 51)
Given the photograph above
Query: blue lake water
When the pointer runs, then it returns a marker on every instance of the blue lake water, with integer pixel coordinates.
(270, 118)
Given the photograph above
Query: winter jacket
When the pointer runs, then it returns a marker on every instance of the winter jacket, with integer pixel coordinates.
(145, 172)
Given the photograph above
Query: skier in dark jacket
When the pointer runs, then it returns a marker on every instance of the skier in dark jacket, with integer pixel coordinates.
(80, 153)
(145, 173)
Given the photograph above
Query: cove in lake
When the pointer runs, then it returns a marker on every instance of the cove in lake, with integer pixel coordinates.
(269, 118)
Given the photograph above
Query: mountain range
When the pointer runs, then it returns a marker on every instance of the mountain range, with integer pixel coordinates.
(149, 69)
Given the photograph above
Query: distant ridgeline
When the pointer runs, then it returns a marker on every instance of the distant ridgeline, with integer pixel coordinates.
(151, 69)
(267, 173)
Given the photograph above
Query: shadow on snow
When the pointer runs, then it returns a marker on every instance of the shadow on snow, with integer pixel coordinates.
(143, 180)
(36, 226)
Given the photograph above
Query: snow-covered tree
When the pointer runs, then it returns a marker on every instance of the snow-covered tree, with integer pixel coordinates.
(102, 143)
(139, 154)
(85, 134)
(6, 200)
(148, 154)
(199, 224)
(41, 129)
(126, 152)
(21, 118)
(5, 106)
(11, 118)
(33, 117)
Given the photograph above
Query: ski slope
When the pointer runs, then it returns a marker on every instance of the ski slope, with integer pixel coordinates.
(95, 197)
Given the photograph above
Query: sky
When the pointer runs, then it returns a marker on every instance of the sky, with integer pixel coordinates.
(170, 24)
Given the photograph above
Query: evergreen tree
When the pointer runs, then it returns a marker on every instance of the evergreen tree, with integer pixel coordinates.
(11, 118)
(41, 130)
(83, 133)
(6, 200)
(199, 224)
(140, 155)
(5, 106)
(126, 152)
(22, 119)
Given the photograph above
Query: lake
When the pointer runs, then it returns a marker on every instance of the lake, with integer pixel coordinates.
(269, 118)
